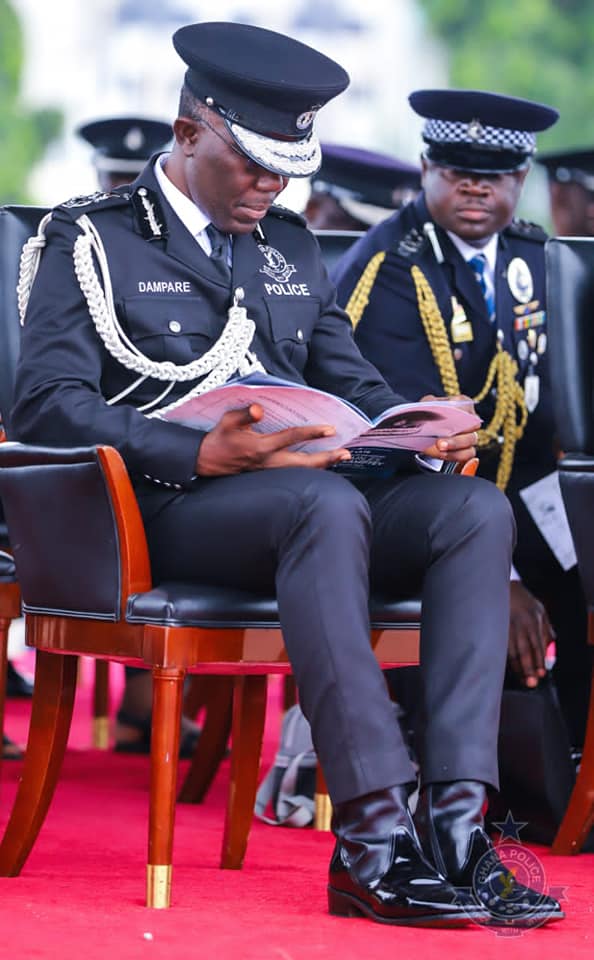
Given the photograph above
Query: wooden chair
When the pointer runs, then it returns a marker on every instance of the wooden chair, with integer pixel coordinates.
(96, 598)
(17, 224)
(570, 304)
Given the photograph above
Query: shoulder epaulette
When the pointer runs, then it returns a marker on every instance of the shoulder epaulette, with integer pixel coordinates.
(94, 201)
(411, 243)
(526, 230)
(283, 213)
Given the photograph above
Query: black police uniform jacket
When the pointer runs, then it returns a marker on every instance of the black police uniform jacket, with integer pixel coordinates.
(172, 304)
(390, 332)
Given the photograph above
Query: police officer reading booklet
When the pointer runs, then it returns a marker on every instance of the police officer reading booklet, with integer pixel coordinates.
(102, 356)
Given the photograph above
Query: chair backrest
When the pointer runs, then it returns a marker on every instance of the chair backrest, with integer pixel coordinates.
(75, 530)
(333, 243)
(17, 224)
(570, 305)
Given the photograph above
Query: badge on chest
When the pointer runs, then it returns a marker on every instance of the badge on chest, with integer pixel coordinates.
(460, 326)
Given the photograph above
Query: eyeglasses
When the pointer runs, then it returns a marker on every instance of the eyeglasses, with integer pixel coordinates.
(228, 143)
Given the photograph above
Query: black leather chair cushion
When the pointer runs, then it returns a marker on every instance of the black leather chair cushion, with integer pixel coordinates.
(203, 605)
(570, 305)
(62, 531)
(17, 224)
(7, 568)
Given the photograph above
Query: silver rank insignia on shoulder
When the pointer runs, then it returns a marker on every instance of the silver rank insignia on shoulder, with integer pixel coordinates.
(151, 217)
(520, 280)
(96, 197)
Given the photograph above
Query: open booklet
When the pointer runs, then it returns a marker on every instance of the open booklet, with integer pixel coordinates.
(406, 426)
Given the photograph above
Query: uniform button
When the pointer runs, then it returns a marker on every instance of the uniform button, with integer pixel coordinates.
(300, 334)
(174, 326)
(458, 354)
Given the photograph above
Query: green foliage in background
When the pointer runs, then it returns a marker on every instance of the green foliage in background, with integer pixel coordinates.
(539, 49)
(24, 133)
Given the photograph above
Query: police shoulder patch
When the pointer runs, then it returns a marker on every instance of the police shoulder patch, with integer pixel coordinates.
(283, 213)
(526, 230)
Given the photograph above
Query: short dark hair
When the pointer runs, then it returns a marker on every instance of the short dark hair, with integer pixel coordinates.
(189, 104)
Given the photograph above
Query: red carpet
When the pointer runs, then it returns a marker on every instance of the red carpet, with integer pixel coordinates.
(81, 892)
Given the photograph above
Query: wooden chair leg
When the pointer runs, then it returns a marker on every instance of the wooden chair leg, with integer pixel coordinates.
(51, 713)
(249, 712)
(218, 699)
(322, 803)
(579, 816)
(4, 625)
(168, 685)
(101, 706)
(196, 694)
(289, 692)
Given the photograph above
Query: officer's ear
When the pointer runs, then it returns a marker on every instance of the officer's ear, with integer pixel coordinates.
(186, 131)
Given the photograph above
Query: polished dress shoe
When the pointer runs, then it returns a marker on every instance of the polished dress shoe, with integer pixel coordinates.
(16, 684)
(449, 820)
(378, 870)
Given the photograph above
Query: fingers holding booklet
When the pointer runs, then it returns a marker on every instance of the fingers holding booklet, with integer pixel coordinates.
(440, 427)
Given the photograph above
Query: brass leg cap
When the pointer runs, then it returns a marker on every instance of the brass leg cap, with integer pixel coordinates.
(101, 733)
(322, 811)
(158, 886)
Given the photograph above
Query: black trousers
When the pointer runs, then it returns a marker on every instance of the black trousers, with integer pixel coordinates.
(318, 539)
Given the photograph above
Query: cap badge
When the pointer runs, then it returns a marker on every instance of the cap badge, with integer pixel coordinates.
(519, 280)
(475, 130)
(134, 139)
(305, 120)
(276, 267)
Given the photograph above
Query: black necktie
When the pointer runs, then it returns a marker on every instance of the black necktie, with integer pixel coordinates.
(219, 255)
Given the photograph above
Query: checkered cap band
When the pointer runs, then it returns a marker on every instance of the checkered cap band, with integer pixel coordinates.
(477, 134)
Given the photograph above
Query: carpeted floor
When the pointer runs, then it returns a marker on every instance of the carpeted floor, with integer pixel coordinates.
(81, 892)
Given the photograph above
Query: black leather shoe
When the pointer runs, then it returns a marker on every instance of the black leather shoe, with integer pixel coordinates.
(16, 684)
(449, 821)
(378, 869)
(411, 893)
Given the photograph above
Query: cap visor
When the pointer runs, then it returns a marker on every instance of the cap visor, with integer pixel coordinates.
(465, 157)
(288, 158)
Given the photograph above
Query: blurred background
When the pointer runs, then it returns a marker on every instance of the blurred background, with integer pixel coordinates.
(64, 62)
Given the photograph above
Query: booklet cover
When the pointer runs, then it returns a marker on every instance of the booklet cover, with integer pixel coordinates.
(406, 426)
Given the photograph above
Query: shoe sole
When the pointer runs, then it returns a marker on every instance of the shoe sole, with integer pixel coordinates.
(342, 904)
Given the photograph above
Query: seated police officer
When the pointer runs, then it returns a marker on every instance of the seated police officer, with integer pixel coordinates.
(243, 508)
(570, 175)
(355, 188)
(448, 295)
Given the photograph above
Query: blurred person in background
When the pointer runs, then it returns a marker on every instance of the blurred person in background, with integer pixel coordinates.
(356, 188)
(570, 175)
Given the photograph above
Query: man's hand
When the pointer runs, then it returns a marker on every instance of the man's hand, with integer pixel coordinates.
(530, 632)
(232, 446)
(462, 446)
